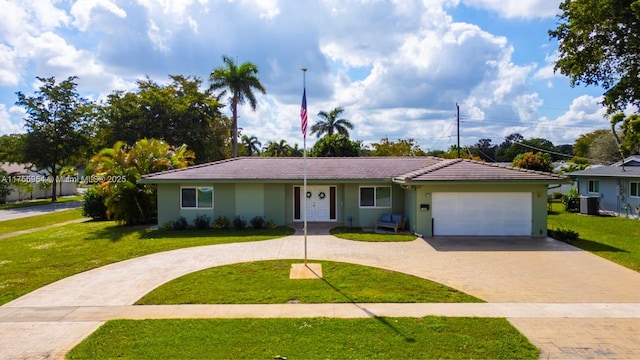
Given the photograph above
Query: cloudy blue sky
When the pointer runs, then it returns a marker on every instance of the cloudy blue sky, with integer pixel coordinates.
(398, 67)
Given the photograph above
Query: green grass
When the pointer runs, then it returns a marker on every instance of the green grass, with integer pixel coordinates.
(38, 202)
(30, 261)
(310, 338)
(39, 220)
(267, 282)
(613, 238)
(356, 233)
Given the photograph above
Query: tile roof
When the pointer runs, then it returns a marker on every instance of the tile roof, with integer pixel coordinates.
(275, 168)
(362, 168)
(469, 170)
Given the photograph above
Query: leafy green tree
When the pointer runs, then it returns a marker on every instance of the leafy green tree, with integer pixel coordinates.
(117, 171)
(56, 125)
(604, 149)
(501, 150)
(330, 124)
(599, 44)
(5, 186)
(402, 147)
(178, 113)
(533, 161)
(338, 145)
(240, 82)
(12, 148)
(24, 187)
(485, 150)
(465, 153)
(277, 149)
(629, 139)
(582, 145)
(250, 145)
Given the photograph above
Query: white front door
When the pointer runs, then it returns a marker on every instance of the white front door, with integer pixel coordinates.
(317, 203)
(318, 199)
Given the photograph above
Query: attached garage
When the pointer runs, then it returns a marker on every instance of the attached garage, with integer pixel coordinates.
(482, 213)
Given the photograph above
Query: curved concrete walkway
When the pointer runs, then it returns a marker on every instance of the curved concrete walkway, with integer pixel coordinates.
(548, 290)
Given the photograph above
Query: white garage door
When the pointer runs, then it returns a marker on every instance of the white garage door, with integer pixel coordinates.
(482, 214)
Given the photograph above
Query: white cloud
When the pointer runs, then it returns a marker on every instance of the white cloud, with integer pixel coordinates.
(82, 11)
(7, 125)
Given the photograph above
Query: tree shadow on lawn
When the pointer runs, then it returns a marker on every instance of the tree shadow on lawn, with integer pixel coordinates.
(117, 232)
(596, 247)
(380, 319)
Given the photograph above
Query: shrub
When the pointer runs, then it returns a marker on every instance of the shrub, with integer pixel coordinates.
(557, 195)
(270, 224)
(239, 223)
(168, 225)
(257, 222)
(181, 224)
(201, 222)
(571, 200)
(565, 235)
(93, 205)
(221, 222)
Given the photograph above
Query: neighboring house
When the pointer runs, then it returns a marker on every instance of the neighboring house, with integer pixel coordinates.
(436, 196)
(40, 188)
(617, 186)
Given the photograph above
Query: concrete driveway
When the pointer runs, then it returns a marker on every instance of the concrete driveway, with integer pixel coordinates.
(596, 302)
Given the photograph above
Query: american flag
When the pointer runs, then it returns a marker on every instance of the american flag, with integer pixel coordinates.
(303, 114)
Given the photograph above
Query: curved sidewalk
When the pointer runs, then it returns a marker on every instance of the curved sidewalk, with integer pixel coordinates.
(589, 295)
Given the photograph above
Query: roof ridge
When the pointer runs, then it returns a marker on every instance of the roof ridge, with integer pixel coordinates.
(427, 169)
(191, 167)
(515, 168)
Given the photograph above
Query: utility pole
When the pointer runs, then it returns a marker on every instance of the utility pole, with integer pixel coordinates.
(458, 122)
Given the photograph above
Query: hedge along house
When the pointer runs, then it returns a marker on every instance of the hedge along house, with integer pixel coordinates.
(436, 196)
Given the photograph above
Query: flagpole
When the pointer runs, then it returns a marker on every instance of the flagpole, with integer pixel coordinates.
(304, 87)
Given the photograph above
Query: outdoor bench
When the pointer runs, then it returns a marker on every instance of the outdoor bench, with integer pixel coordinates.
(390, 221)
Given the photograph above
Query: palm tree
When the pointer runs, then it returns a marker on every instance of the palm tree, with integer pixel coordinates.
(330, 123)
(277, 149)
(239, 81)
(251, 144)
(117, 171)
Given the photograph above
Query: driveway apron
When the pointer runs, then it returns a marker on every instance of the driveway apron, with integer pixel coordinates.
(520, 270)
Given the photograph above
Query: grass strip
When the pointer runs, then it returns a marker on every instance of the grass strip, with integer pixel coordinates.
(310, 338)
(613, 238)
(38, 202)
(36, 221)
(358, 234)
(267, 282)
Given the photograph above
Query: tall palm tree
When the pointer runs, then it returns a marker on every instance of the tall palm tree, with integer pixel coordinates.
(330, 123)
(239, 82)
(277, 149)
(251, 144)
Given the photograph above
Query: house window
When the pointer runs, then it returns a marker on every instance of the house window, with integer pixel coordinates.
(594, 186)
(200, 197)
(634, 189)
(375, 196)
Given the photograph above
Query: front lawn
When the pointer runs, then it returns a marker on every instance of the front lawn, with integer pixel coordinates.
(613, 238)
(30, 261)
(267, 282)
(311, 338)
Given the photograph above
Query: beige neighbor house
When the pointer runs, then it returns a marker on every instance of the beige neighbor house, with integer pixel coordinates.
(437, 197)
